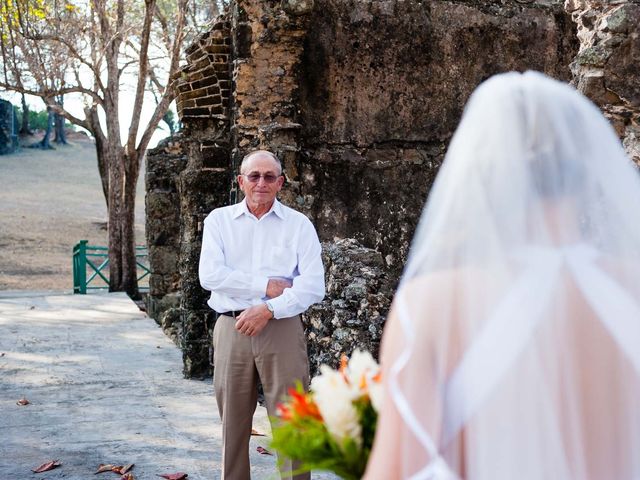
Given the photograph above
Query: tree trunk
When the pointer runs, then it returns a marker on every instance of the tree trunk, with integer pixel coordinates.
(24, 129)
(122, 259)
(45, 143)
(60, 136)
(101, 151)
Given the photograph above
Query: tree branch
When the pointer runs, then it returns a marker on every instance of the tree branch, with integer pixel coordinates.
(150, 6)
(72, 118)
(72, 50)
(168, 94)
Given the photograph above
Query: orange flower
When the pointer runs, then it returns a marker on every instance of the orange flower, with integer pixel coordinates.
(363, 383)
(303, 405)
(284, 412)
(344, 363)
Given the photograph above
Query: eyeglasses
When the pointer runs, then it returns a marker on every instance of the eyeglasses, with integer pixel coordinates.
(255, 177)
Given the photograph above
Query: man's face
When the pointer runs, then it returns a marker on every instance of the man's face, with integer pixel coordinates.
(260, 192)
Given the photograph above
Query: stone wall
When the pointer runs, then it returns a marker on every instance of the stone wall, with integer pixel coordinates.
(359, 293)
(607, 68)
(383, 85)
(268, 45)
(360, 98)
(162, 206)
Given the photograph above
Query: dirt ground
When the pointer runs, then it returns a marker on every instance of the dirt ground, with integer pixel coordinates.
(50, 200)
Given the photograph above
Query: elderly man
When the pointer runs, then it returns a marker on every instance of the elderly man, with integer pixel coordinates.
(261, 261)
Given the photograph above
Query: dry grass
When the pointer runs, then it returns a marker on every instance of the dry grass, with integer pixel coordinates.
(49, 200)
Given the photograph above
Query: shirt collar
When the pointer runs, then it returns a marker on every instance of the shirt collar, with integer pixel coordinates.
(241, 208)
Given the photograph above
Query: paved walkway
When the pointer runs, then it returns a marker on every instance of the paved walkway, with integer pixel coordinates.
(105, 386)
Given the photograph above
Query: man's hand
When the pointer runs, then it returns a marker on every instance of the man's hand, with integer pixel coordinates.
(253, 320)
(276, 286)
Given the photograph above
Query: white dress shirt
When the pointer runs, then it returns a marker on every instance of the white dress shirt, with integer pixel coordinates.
(240, 253)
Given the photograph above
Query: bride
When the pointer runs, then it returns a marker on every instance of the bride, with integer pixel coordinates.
(513, 347)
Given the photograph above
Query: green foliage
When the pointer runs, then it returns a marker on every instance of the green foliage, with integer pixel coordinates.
(38, 119)
(169, 120)
(369, 420)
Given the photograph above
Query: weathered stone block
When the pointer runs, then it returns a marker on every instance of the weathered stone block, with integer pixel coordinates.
(297, 7)
(219, 49)
(164, 260)
(208, 101)
(215, 156)
(163, 232)
(221, 67)
(195, 357)
(183, 87)
(214, 89)
(199, 92)
(194, 327)
(198, 112)
(171, 323)
(159, 204)
(243, 38)
(157, 286)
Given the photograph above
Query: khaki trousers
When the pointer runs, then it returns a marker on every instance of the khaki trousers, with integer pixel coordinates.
(277, 357)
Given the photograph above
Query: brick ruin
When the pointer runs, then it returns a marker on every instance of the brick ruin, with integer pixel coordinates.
(359, 99)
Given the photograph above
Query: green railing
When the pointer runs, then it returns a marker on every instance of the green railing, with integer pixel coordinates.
(92, 261)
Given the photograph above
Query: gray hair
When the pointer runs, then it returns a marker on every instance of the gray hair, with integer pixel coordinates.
(265, 153)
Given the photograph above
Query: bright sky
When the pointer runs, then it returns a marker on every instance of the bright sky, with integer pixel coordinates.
(73, 103)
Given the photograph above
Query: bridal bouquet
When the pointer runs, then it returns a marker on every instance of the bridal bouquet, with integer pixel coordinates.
(332, 427)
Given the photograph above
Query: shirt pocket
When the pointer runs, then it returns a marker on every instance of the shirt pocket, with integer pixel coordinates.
(283, 260)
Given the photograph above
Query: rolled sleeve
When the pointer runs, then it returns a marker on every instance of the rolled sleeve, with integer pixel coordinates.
(259, 285)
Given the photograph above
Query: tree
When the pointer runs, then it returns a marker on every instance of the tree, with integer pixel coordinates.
(45, 143)
(58, 124)
(52, 48)
(24, 127)
(169, 121)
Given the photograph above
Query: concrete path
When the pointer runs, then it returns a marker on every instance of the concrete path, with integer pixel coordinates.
(105, 386)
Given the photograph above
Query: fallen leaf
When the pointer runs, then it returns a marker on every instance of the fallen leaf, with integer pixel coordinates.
(263, 451)
(128, 476)
(256, 433)
(104, 468)
(174, 476)
(45, 467)
(22, 402)
(122, 470)
(114, 468)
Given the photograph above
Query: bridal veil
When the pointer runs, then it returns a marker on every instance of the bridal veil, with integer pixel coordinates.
(512, 351)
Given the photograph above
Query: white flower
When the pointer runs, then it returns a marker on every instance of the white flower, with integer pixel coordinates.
(376, 394)
(363, 373)
(360, 369)
(334, 398)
